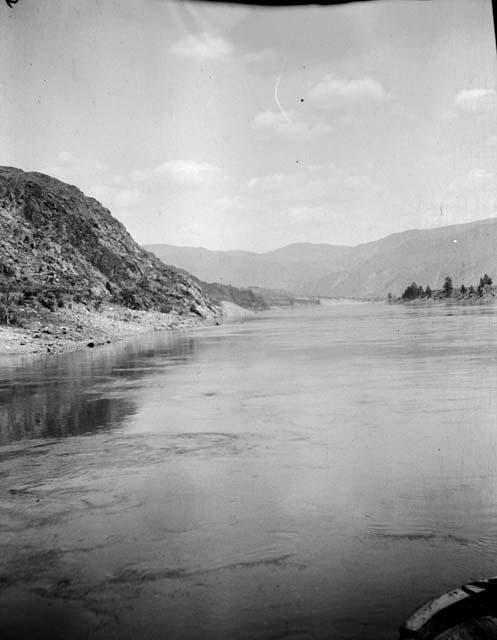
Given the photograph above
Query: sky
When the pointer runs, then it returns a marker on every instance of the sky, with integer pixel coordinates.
(241, 127)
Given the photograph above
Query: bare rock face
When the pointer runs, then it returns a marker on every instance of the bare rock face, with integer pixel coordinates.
(57, 245)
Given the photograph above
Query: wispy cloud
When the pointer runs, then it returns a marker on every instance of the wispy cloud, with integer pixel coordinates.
(316, 185)
(288, 124)
(67, 158)
(71, 168)
(114, 197)
(188, 172)
(202, 46)
(140, 175)
(314, 215)
(335, 91)
(261, 56)
(208, 45)
(475, 179)
(476, 100)
(272, 182)
(474, 192)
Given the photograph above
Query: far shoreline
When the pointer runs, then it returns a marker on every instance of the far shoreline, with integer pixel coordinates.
(474, 301)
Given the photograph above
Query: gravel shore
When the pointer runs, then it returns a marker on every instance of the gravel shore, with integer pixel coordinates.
(44, 331)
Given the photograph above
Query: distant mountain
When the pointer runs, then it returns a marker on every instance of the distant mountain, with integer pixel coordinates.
(370, 270)
(287, 269)
(58, 246)
(465, 252)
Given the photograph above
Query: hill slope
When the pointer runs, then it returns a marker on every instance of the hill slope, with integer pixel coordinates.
(288, 268)
(58, 246)
(464, 251)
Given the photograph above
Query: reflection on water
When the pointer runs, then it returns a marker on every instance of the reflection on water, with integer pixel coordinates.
(312, 474)
(69, 395)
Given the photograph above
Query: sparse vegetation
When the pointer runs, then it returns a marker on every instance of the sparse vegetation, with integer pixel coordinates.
(58, 247)
(448, 287)
(9, 303)
(242, 297)
(416, 292)
(413, 291)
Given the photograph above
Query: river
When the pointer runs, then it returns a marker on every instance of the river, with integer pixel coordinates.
(313, 473)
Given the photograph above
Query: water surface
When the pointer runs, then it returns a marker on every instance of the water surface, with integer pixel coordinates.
(312, 473)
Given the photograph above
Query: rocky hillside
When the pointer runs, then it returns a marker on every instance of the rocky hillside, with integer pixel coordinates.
(370, 270)
(58, 246)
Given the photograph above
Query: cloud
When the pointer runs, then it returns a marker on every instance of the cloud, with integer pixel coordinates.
(288, 125)
(67, 158)
(119, 180)
(190, 173)
(127, 198)
(316, 215)
(269, 183)
(476, 100)
(333, 90)
(66, 174)
(449, 116)
(202, 46)
(230, 203)
(478, 178)
(260, 57)
(315, 185)
(475, 192)
(70, 168)
(140, 175)
(113, 197)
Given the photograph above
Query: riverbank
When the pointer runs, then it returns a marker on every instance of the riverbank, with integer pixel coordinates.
(43, 331)
(464, 299)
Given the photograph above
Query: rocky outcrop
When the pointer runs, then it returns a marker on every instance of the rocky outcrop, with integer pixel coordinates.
(58, 246)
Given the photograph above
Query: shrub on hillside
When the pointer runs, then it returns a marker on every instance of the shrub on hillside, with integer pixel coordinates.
(9, 306)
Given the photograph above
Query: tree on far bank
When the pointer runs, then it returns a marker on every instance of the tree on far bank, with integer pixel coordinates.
(428, 292)
(412, 292)
(463, 289)
(471, 290)
(484, 282)
(448, 287)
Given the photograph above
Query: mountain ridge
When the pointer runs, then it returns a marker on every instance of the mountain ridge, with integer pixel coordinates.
(367, 270)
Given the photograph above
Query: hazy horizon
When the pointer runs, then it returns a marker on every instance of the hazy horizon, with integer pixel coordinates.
(248, 128)
(317, 244)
